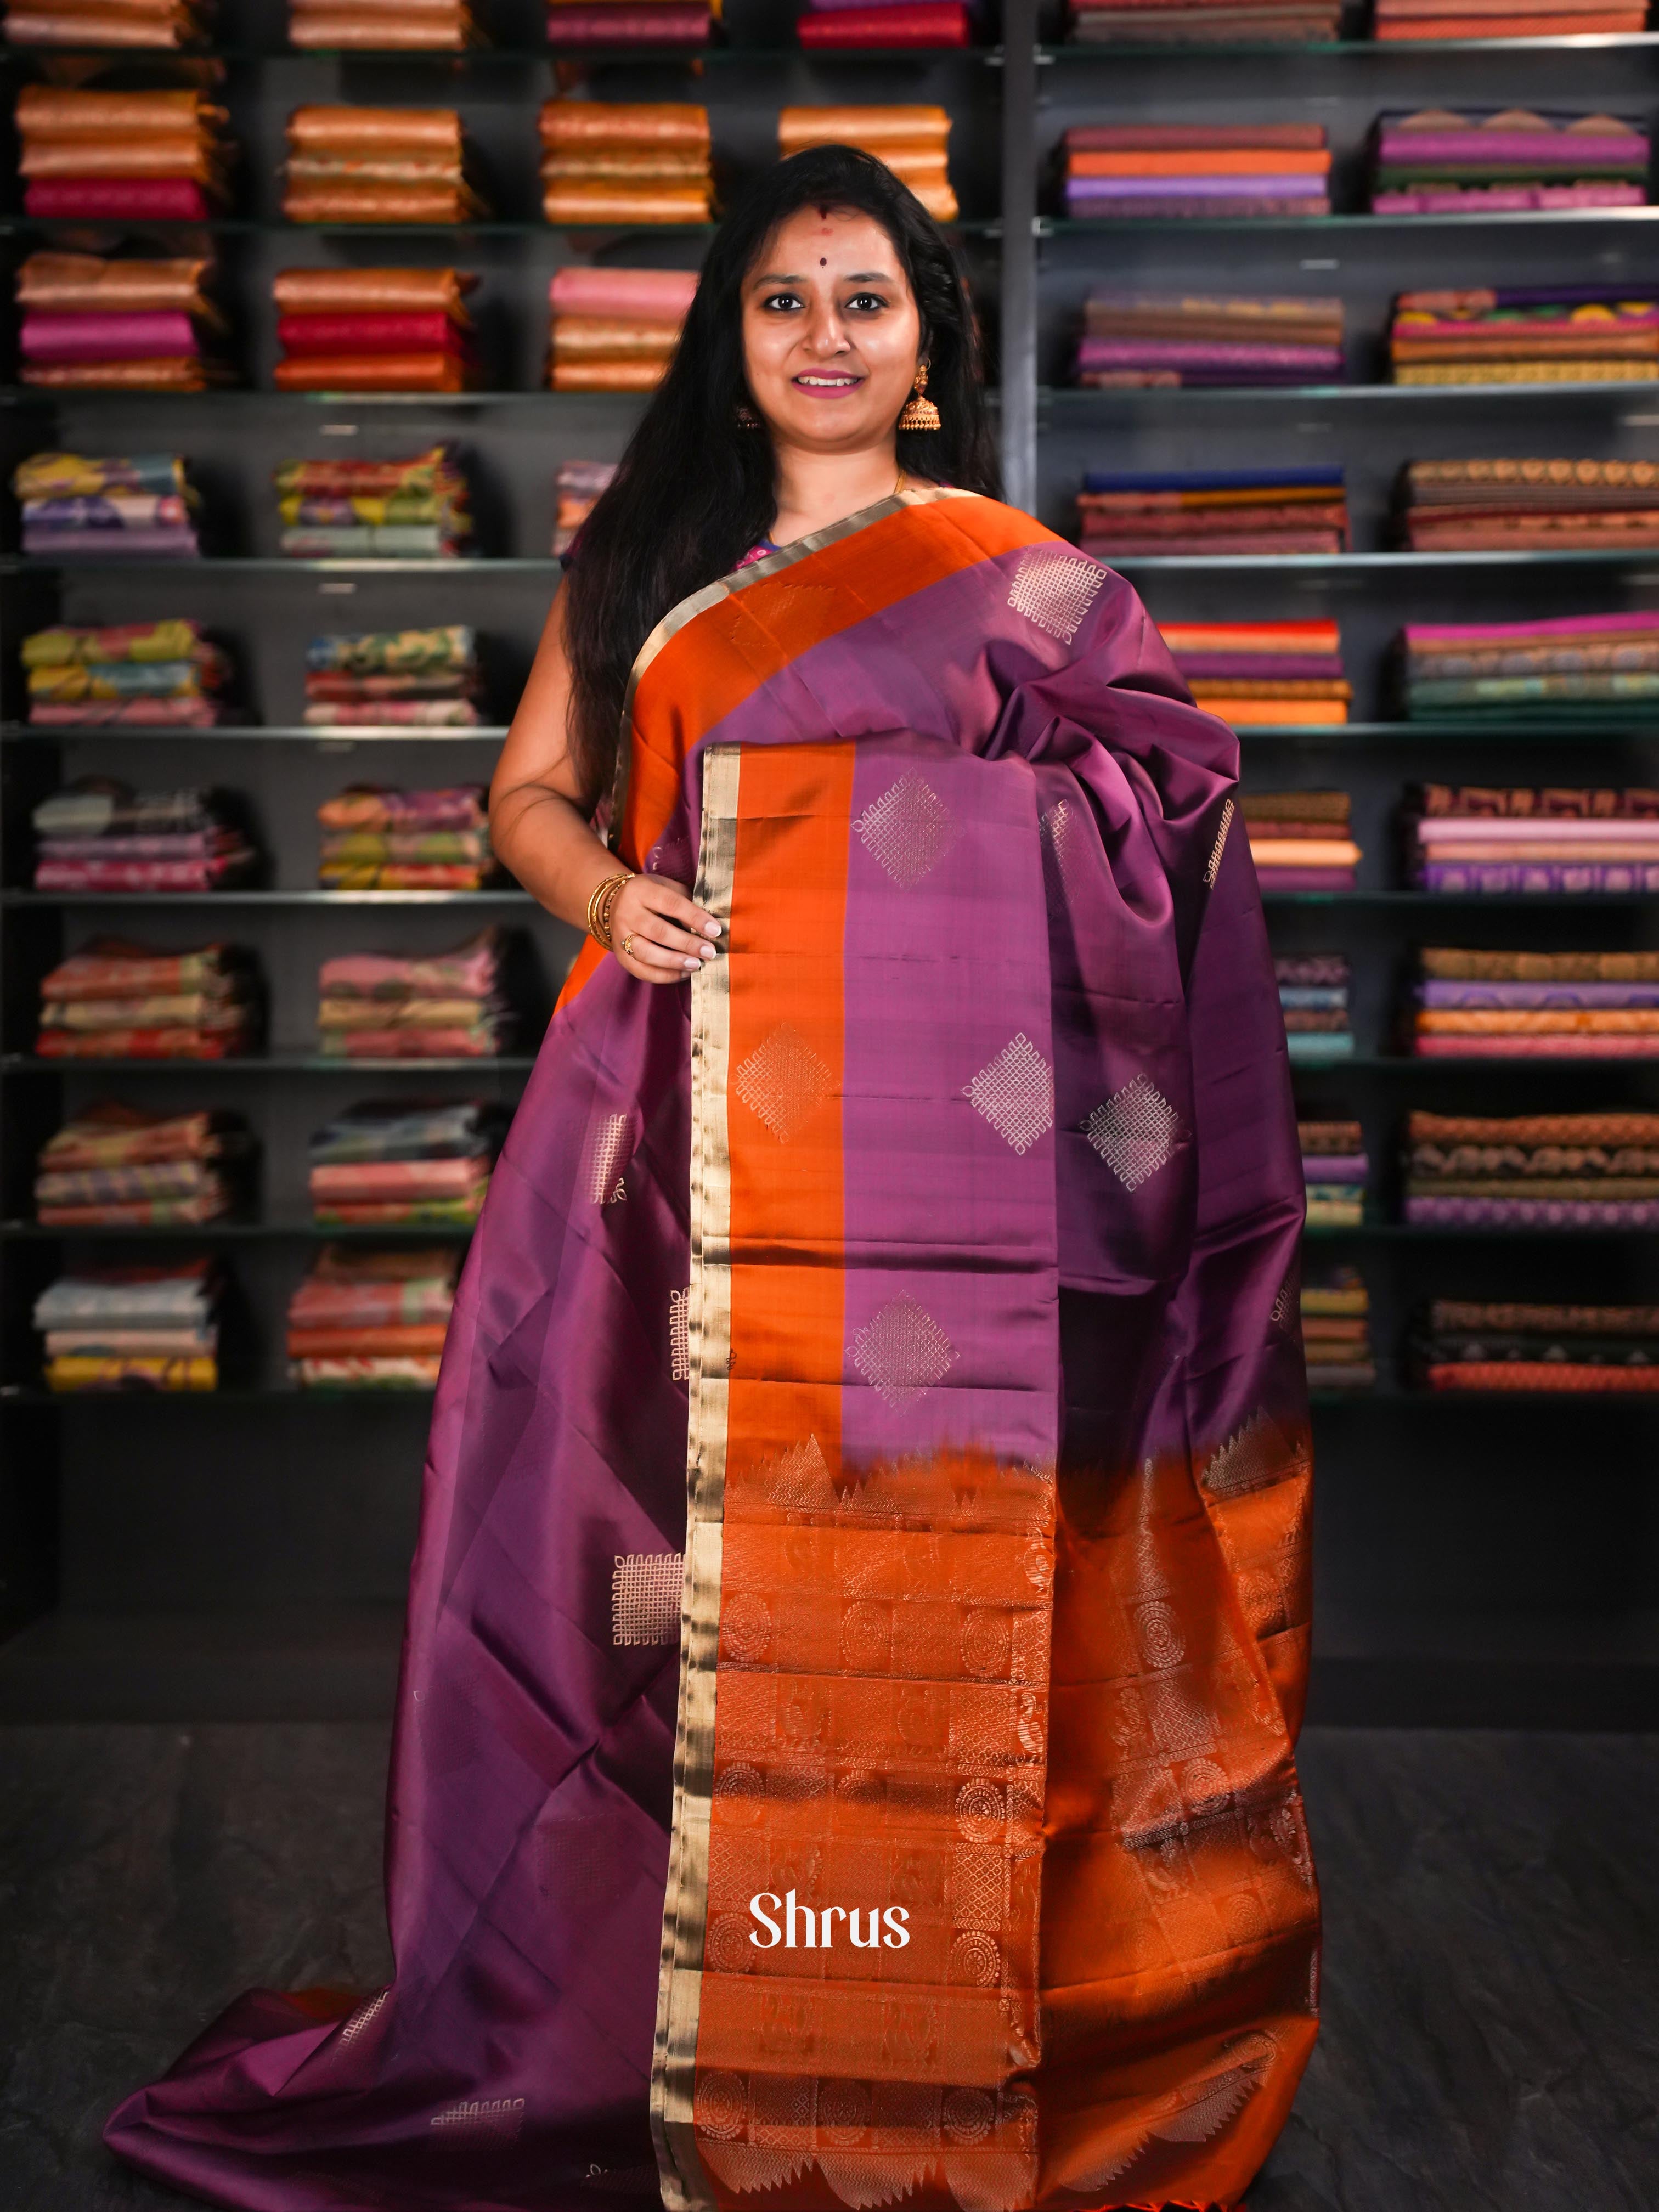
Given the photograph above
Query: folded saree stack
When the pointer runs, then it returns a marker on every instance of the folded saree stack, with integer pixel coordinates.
(1597, 1171)
(1182, 171)
(1166, 340)
(116, 1000)
(411, 510)
(615, 330)
(913, 142)
(1299, 840)
(576, 488)
(1586, 666)
(98, 835)
(1505, 161)
(1336, 1331)
(122, 156)
(378, 164)
(631, 22)
(141, 25)
(1123, 513)
(1476, 839)
(1313, 997)
(419, 678)
(375, 330)
(886, 23)
(165, 674)
(1205, 23)
(79, 507)
(1525, 507)
(133, 1328)
(113, 1167)
(1580, 334)
(93, 324)
(1505, 19)
(1263, 675)
(1335, 1166)
(375, 839)
(374, 1006)
(643, 162)
(383, 26)
(405, 1163)
(1496, 1345)
(1500, 1005)
(370, 1321)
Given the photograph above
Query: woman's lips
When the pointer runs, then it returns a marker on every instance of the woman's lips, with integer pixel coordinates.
(826, 384)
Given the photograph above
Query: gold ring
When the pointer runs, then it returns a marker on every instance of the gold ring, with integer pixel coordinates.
(628, 948)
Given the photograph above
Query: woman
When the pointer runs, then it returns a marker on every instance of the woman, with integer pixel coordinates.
(860, 1620)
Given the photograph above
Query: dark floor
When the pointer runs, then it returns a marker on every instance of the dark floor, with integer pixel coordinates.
(1491, 1994)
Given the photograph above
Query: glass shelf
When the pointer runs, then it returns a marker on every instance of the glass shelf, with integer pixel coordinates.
(1052, 226)
(26, 226)
(268, 1066)
(264, 898)
(1465, 902)
(30, 395)
(1067, 399)
(277, 564)
(1499, 731)
(1087, 50)
(15, 734)
(300, 1230)
(470, 57)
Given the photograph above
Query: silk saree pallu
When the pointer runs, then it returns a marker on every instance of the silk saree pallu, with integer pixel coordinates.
(859, 1627)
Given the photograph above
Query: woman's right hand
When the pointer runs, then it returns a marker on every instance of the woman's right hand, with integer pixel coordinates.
(667, 937)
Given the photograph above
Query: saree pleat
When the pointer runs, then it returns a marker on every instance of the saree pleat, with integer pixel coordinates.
(860, 1623)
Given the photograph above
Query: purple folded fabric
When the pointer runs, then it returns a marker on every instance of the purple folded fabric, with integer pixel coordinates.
(1189, 188)
(1416, 149)
(1473, 994)
(1265, 667)
(55, 542)
(1182, 353)
(1305, 879)
(1546, 877)
(131, 336)
(657, 24)
(1508, 199)
(1533, 1212)
(1335, 1167)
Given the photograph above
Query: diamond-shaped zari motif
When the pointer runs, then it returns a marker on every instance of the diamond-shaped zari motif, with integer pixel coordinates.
(1056, 590)
(1134, 1130)
(1015, 1092)
(902, 1351)
(782, 1081)
(909, 829)
(646, 1588)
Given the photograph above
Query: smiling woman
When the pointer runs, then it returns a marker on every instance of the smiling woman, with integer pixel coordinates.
(869, 1476)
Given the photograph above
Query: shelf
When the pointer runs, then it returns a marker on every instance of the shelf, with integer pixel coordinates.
(1082, 50)
(1472, 731)
(18, 734)
(468, 57)
(43, 395)
(1067, 398)
(231, 226)
(300, 1230)
(1056, 226)
(265, 898)
(276, 564)
(268, 1066)
(1360, 564)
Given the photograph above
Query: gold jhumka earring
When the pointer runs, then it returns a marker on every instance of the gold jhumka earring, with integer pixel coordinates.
(918, 411)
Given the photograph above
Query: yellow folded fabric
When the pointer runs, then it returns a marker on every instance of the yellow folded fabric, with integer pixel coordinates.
(619, 122)
(606, 203)
(84, 284)
(872, 128)
(48, 110)
(595, 338)
(606, 375)
(375, 130)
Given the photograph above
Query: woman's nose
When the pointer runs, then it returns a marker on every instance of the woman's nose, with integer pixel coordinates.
(825, 334)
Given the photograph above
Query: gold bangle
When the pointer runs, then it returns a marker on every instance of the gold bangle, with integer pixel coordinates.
(600, 900)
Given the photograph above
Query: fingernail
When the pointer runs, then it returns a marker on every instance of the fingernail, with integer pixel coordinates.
(694, 963)
(711, 929)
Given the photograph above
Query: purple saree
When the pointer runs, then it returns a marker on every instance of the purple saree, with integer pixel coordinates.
(867, 1491)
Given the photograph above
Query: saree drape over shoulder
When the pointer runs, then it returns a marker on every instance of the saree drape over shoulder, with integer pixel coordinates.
(868, 1488)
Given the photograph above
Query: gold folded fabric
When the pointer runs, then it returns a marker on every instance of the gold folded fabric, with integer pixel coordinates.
(605, 375)
(373, 291)
(616, 123)
(380, 204)
(875, 129)
(622, 165)
(85, 283)
(604, 204)
(50, 110)
(425, 171)
(436, 34)
(365, 129)
(118, 156)
(56, 26)
(361, 372)
(602, 338)
(168, 373)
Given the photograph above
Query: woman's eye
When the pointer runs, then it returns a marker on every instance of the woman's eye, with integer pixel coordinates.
(867, 303)
(781, 302)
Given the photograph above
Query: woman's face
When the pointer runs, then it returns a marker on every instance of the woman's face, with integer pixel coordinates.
(830, 332)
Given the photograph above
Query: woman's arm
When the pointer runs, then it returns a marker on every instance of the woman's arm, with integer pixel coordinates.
(537, 827)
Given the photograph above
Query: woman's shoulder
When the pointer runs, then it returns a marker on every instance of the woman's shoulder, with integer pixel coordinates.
(992, 523)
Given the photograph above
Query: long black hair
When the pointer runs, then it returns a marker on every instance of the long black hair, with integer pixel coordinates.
(693, 490)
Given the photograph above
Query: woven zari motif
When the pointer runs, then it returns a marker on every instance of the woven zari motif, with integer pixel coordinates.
(610, 1147)
(881, 1738)
(1213, 866)
(1015, 1092)
(908, 830)
(645, 1597)
(782, 1081)
(1135, 1132)
(902, 1351)
(1056, 590)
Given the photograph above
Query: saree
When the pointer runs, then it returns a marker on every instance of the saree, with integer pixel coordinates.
(858, 1632)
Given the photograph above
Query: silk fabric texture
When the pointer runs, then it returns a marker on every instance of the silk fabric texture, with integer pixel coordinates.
(870, 1460)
